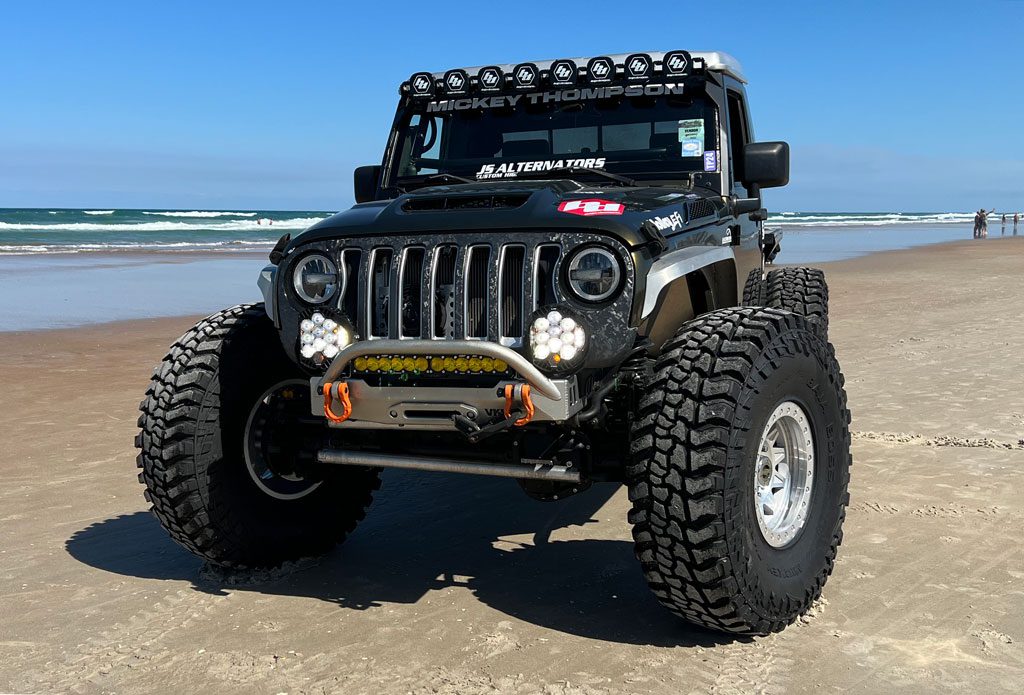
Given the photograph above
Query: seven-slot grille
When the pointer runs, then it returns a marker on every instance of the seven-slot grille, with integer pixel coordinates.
(443, 290)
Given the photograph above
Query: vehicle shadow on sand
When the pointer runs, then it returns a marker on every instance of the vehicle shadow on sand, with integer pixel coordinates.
(427, 533)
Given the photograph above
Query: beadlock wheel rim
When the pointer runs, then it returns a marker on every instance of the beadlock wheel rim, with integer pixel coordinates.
(784, 475)
(278, 486)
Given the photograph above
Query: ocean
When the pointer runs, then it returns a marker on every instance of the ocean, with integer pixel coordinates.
(61, 267)
(50, 231)
(39, 231)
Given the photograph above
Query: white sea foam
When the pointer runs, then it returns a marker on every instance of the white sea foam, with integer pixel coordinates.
(98, 212)
(29, 249)
(229, 226)
(200, 213)
(823, 219)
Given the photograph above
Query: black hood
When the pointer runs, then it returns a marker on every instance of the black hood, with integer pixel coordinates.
(510, 206)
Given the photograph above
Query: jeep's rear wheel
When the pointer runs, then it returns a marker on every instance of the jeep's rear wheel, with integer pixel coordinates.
(739, 471)
(802, 291)
(226, 449)
(755, 288)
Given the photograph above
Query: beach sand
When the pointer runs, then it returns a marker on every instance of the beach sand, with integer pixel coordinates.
(464, 585)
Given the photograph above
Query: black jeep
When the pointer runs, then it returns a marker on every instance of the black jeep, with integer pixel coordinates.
(555, 275)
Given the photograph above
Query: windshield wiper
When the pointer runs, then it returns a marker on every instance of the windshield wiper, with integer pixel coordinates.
(624, 180)
(438, 178)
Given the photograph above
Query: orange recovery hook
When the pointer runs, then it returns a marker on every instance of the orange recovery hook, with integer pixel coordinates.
(343, 398)
(521, 393)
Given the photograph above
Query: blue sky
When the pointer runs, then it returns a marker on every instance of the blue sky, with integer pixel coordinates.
(910, 106)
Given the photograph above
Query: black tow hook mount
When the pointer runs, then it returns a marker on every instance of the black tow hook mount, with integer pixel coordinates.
(475, 433)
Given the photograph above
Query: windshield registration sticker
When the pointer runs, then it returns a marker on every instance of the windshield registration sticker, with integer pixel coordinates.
(510, 170)
(691, 137)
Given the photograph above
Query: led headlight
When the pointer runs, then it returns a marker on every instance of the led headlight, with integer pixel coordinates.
(316, 279)
(322, 338)
(594, 274)
(558, 341)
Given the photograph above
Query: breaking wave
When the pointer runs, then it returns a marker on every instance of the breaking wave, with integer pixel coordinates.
(98, 212)
(232, 225)
(882, 219)
(200, 213)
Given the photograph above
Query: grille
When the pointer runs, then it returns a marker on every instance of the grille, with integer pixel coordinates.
(476, 290)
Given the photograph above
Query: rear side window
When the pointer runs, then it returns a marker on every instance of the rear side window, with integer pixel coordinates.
(738, 135)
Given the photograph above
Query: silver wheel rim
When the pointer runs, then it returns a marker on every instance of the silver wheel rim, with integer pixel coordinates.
(784, 475)
(282, 487)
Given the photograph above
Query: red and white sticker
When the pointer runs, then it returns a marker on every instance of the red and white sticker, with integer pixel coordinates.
(591, 207)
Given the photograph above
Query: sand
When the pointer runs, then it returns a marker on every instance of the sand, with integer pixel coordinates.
(464, 585)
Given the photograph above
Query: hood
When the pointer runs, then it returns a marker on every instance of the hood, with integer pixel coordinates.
(634, 215)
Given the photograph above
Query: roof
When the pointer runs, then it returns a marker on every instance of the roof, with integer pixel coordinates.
(716, 61)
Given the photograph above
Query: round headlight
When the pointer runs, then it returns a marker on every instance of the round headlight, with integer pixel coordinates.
(316, 279)
(594, 274)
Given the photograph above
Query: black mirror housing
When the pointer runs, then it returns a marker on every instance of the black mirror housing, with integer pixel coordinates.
(365, 182)
(766, 164)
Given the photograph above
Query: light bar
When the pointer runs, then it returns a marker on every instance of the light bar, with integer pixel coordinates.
(427, 364)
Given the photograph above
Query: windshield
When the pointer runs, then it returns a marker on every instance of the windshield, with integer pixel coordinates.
(669, 136)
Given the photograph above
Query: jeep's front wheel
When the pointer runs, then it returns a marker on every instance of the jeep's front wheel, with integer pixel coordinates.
(227, 443)
(739, 471)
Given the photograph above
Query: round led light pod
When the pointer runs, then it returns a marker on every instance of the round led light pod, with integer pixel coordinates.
(308, 351)
(557, 340)
(676, 63)
(600, 70)
(331, 351)
(306, 326)
(306, 338)
(318, 318)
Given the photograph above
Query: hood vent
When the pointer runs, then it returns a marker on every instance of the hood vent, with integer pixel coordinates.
(505, 201)
(695, 209)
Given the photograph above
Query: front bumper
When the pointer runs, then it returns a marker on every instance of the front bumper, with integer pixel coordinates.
(434, 407)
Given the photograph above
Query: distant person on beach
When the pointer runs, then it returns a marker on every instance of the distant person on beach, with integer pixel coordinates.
(981, 223)
(1016, 221)
(1002, 229)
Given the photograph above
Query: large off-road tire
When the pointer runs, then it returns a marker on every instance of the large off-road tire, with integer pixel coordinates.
(755, 289)
(195, 429)
(802, 291)
(703, 465)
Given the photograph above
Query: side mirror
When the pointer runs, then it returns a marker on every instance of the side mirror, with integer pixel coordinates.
(766, 164)
(365, 183)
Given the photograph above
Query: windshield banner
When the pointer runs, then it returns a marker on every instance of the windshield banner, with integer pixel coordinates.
(555, 97)
(510, 170)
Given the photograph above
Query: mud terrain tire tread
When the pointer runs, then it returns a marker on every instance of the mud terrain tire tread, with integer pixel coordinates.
(755, 290)
(203, 507)
(802, 291)
(682, 474)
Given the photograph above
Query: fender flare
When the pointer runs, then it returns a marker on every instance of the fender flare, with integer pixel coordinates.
(677, 264)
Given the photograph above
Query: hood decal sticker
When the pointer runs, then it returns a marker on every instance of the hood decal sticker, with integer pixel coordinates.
(591, 207)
